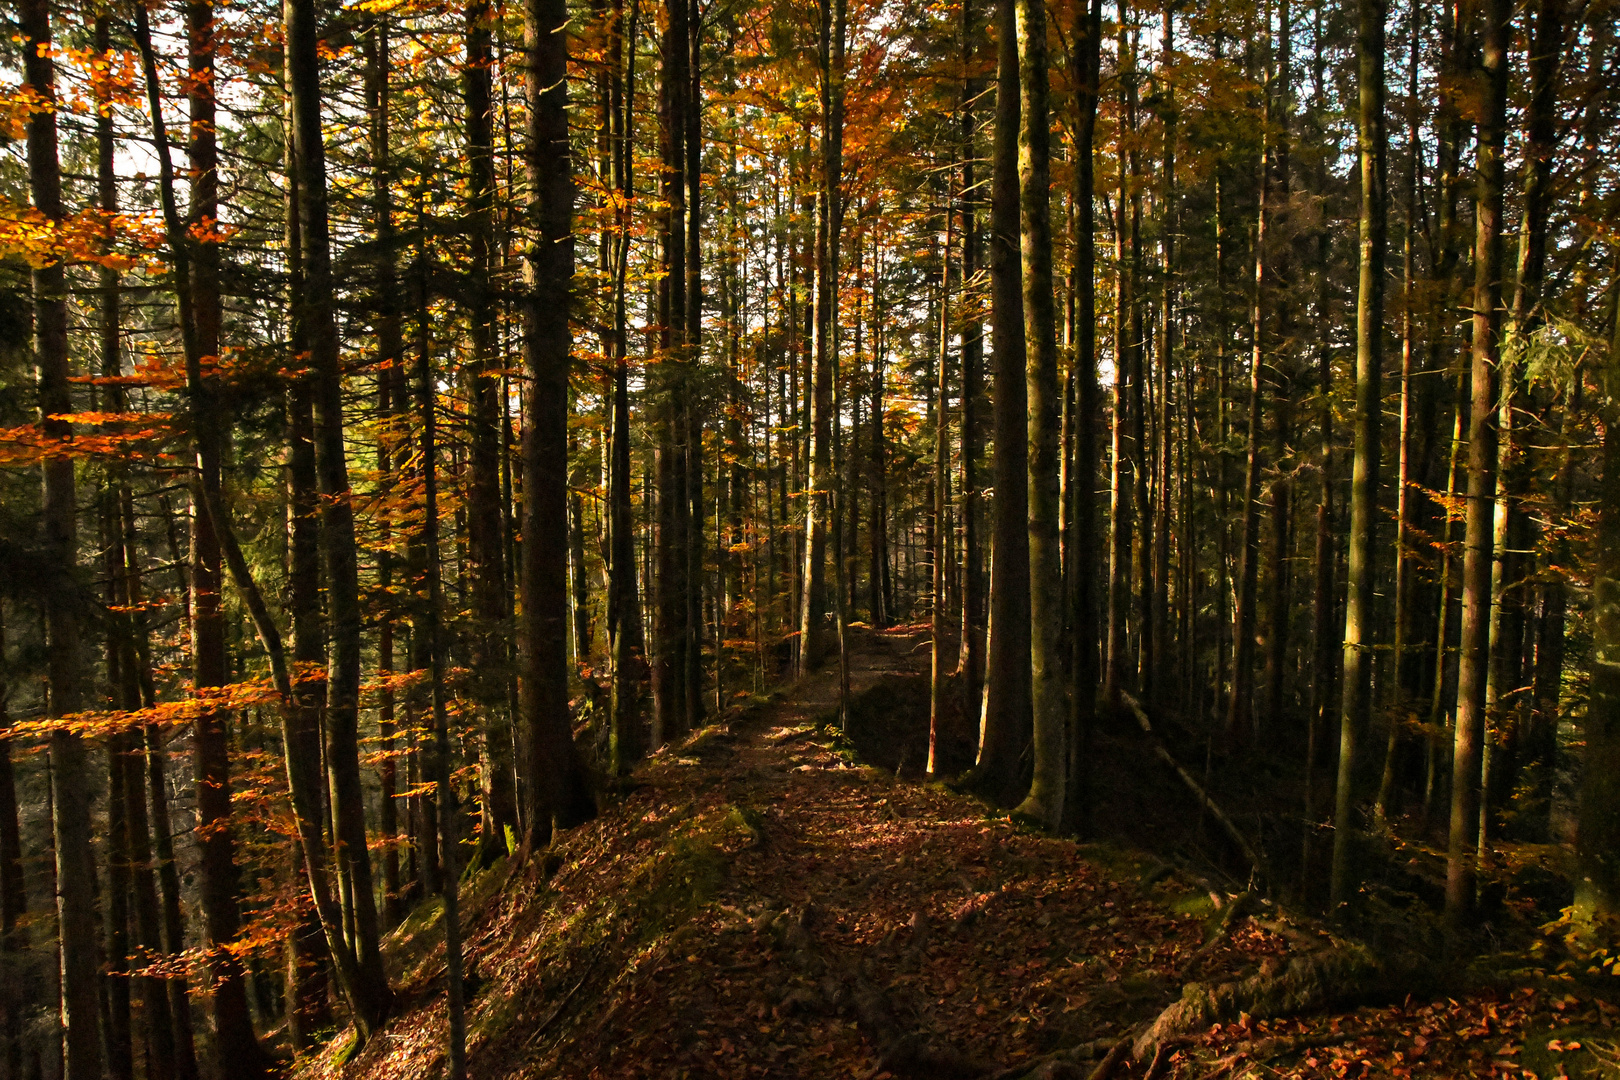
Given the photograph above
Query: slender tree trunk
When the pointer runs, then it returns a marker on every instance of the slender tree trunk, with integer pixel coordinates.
(829, 223)
(1597, 873)
(1160, 607)
(485, 533)
(168, 876)
(669, 378)
(1473, 653)
(695, 422)
(1119, 499)
(137, 692)
(941, 485)
(1085, 63)
(626, 640)
(369, 1001)
(70, 786)
(1356, 709)
(339, 547)
(1539, 742)
(13, 887)
(1403, 448)
(1240, 704)
(558, 794)
(878, 573)
(1048, 690)
(119, 1035)
(390, 383)
(970, 663)
(449, 816)
(1006, 723)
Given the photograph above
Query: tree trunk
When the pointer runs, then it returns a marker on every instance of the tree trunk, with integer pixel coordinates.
(1119, 497)
(1538, 745)
(1597, 844)
(70, 781)
(485, 532)
(669, 378)
(941, 485)
(119, 659)
(1047, 668)
(1005, 727)
(13, 886)
(1356, 708)
(970, 662)
(695, 422)
(1473, 652)
(1240, 705)
(558, 793)
(339, 548)
(1085, 62)
(1403, 445)
(1159, 609)
(449, 816)
(626, 639)
(829, 223)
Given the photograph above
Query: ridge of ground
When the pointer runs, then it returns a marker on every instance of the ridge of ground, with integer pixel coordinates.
(759, 903)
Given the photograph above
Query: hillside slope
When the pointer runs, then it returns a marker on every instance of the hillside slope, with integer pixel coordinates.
(760, 904)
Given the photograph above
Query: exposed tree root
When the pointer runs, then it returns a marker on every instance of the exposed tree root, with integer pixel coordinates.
(1345, 975)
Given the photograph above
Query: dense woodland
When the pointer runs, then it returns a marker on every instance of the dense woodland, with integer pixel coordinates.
(417, 414)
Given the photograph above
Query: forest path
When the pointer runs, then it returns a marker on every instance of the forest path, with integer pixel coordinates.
(761, 904)
(995, 941)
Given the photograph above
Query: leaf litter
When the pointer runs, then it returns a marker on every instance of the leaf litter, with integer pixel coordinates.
(710, 922)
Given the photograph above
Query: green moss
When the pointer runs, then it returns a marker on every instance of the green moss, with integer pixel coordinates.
(1597, 1055)
(1197, 904)
(673, 882)
(748, 820)
(347, 1049)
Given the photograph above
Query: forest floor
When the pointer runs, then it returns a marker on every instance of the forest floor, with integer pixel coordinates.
(762, 903)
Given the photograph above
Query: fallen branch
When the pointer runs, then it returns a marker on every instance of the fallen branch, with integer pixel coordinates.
(1236, 834)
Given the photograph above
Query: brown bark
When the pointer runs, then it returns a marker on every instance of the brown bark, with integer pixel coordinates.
(1597, 874)
(1356, 707)
(390, 395)
(485, 534)
(13, 887)
(1473, 658)
(1005, 727)
(626, 639)
(1085, 44)
(970, 660)
(428, 628)
(1050, 711)
(339, 548)
(829, 224)
(669, 377)
(70, 781)
(558, 793)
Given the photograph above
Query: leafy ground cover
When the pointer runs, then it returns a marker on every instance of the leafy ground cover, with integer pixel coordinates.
(761, 903)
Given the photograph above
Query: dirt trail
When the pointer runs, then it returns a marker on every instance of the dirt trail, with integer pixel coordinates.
(996, 942)
(722, 918)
